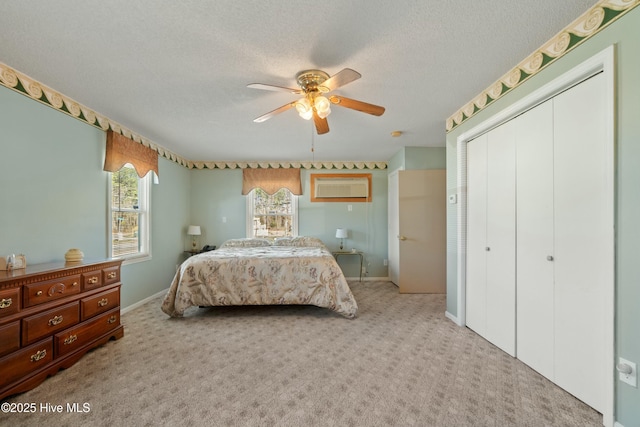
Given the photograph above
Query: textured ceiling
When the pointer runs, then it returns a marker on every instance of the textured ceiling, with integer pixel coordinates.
(176, 72)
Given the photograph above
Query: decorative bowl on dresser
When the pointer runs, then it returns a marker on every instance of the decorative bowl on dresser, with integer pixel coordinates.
(51, 315)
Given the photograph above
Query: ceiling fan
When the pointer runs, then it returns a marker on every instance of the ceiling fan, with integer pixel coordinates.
(314, 84)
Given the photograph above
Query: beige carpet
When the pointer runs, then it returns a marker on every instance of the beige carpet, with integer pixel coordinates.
(400, 363)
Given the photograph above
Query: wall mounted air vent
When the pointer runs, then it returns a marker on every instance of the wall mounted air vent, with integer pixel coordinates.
(340, 187)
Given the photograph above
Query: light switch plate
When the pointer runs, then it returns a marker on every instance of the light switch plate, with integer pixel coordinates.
(632, 378)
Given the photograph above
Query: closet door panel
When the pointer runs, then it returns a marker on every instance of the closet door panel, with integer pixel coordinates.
(501, 235)
(476, 234)
(534, 165)
(583, 234)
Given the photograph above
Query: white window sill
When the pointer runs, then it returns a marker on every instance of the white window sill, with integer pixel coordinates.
(133, 259)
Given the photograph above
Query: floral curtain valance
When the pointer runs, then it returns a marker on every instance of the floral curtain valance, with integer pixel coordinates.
(122, 150)
(271, 180)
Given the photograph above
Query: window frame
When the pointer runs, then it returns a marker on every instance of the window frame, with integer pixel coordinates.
(250, 213)
(144, 219)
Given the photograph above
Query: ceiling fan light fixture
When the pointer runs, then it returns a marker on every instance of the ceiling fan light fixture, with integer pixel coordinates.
(303, 106)
(324, 114)
(314, 85)
(322, 106)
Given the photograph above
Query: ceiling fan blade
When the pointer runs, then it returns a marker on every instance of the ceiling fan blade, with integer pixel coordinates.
(273, 88)
(340, 79)
(322, 126)
(270, 114)
(375, 110)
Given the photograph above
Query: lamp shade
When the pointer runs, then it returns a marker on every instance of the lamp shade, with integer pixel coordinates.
(342, 233)
(194, 230)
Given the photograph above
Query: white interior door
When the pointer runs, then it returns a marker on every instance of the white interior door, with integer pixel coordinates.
(583, 240)
(535, 271)
(501, 236)
(393, 228)
(476, 286)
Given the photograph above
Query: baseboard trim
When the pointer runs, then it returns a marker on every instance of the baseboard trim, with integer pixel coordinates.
(453, 318)
(142, 302)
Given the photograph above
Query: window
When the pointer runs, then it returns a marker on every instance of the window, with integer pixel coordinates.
(272, 216)
(129, 219)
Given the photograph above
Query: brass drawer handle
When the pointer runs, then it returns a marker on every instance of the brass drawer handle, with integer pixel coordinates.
(74, 284)
(112, 319)
(56, 320)
(40, 354)
(93, 280)
(103, 302)
(38, 293)
(70, 340)
(5, 303)
(112, 275)
(58, 288)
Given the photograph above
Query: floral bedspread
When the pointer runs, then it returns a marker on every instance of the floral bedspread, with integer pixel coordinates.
(265, 275)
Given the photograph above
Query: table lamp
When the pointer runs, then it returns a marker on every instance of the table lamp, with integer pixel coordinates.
(342, 233)
(194, 230)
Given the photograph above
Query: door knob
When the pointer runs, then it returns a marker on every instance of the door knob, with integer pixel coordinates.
(402, 238)
(487, 249)
(549, 258)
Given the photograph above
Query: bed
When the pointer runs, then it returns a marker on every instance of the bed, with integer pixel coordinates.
(299, 270)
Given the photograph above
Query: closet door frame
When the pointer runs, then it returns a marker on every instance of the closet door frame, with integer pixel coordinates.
(604, 62)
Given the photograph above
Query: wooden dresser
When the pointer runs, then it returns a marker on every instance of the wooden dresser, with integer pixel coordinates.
(51, 315)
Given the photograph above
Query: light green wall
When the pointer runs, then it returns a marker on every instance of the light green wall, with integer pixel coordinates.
(367, 223)
(54, 195)
(170, 214)
(216, 194)
(625, 34)
(408, 158)
(53, 189)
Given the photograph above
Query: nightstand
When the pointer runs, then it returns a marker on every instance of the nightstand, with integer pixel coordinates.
(360, 254)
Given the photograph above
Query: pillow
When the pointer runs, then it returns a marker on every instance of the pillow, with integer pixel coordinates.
(245, 243)
(304, 241)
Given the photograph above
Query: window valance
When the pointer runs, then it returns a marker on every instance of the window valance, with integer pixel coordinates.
(271, 180)
(122, 150)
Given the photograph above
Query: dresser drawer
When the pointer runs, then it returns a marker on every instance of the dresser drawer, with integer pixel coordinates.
(9, 337)
(9, 301)
(99, 303)
(25, 361)
(92, 280)
(72, 339)
(111, 275)
(39, 293)
(50, 321)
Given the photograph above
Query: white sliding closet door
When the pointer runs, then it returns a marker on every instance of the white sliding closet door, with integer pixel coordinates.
(476, 291)
(540, 204)
(501, 237)
(583, 240)
(535, 276)
(490, 292)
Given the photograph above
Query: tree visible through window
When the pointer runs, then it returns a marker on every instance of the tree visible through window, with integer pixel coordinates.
(128, 213)
(272, 216)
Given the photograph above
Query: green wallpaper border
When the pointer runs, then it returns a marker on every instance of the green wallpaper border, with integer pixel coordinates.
(598, 17)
